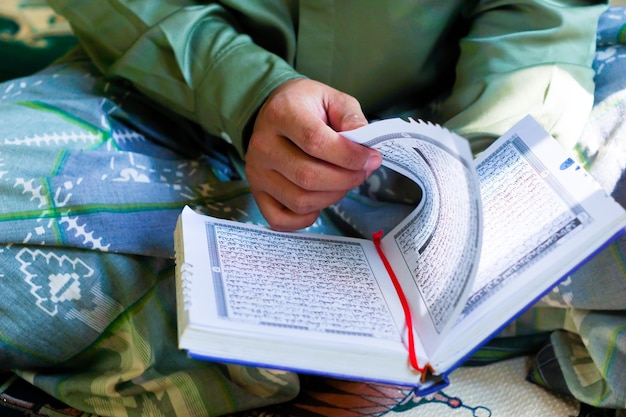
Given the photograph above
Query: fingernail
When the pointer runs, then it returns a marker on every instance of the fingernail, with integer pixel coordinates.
(353, 121)
(373, 162)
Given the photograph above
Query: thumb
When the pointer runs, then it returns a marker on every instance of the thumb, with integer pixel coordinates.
(344, 112)
(351, 121)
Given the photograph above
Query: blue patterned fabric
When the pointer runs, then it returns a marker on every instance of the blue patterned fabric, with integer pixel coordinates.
(91, 188)
(92, 179)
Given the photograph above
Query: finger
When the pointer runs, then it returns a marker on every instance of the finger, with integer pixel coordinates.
(310, 173)
(292, 196)
(322, 142)
(319, 140)
(344, 113)
(310, 114)
(280, 217)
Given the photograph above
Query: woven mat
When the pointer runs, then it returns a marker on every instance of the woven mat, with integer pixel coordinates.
(498, 390)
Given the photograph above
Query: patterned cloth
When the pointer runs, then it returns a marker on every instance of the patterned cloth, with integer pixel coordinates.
(497, 390)
(92, 179)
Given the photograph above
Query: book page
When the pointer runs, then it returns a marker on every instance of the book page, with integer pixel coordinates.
(527, 214)
(434, 251)
(299, 282)
(543, 216)
(269, 282)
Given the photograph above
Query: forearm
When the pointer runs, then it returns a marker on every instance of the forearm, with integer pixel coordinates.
(193, 58)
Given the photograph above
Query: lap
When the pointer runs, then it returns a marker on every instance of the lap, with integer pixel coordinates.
(91, 182)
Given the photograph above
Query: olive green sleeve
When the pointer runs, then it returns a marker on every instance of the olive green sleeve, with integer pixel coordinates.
(525, 57)
(196, 58)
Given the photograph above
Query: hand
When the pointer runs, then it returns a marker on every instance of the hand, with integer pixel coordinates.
(296, 163)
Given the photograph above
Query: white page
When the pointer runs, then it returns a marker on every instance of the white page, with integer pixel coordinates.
(434, 251)
(543, 215)
(311, 286)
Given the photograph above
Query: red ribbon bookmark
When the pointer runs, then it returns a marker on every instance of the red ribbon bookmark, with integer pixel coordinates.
(405, 304)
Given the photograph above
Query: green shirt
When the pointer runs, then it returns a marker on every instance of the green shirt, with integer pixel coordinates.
(216, 62)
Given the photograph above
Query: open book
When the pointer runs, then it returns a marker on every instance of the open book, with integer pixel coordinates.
(489, 237)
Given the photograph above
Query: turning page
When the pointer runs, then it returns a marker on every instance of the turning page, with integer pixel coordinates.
(434, 251)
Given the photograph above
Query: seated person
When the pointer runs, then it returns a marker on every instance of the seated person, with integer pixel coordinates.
(234, 108)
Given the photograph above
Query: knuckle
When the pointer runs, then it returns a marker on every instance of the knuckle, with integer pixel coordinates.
(301, 204)
(297, 202)
(307, 178)
(312, 142)
(350, 161)
(351, 101)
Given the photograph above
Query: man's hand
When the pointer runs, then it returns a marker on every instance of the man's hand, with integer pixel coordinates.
(296, 163)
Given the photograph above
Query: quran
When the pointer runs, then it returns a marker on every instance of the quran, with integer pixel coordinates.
(489, 237)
